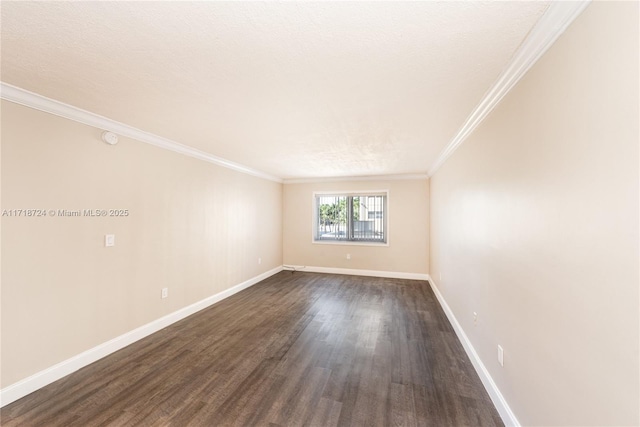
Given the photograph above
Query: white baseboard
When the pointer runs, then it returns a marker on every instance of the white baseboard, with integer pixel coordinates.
(36, 381)
(355, 272)
(507, 415)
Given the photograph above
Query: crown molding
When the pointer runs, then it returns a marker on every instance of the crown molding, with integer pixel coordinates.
(555, 20)
(399, 177)
(38, 102)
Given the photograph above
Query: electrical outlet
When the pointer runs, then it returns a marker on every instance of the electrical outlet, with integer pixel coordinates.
(500, 356)
(475, 318)
(165, 293)
(348, 256)
(259, 261)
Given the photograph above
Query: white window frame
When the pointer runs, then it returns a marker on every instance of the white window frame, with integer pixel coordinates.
(343, 193)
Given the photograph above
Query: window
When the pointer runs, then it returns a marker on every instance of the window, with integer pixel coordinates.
(351, 218)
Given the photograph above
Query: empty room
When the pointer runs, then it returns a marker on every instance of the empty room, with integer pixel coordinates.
(372, 213)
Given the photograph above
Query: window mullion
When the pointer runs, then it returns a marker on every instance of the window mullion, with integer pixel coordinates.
(349, 218)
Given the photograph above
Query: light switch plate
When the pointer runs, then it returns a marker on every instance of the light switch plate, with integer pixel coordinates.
(109, 240)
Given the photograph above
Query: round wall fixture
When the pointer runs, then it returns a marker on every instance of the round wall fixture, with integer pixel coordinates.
(110, 138)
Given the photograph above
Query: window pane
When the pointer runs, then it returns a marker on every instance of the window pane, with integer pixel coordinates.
(332, 218)
(368, 220)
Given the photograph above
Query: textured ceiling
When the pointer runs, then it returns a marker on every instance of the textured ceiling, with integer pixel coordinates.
(295, 90)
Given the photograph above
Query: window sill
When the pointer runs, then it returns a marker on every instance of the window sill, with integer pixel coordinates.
(347, 243)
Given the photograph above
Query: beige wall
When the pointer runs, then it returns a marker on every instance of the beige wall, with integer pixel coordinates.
(534, 225)
(408, 249)
(193, 227)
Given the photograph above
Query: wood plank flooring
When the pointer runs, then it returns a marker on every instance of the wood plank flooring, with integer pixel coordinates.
(296, 349)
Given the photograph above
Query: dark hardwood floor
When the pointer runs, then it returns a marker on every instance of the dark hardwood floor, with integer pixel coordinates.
(296, 349)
